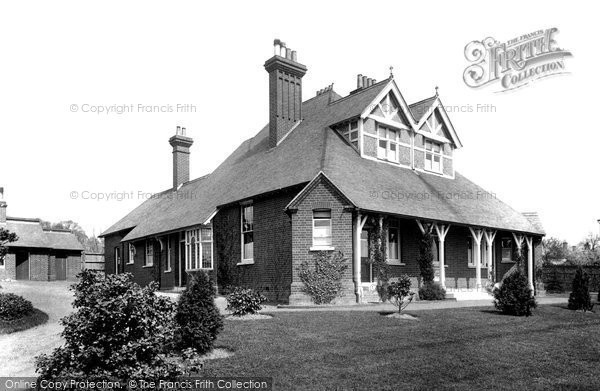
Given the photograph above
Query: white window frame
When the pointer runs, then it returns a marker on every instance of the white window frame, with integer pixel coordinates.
(430, 151)
(347, 130)
(245, 230)
(389, 141)
(394, 225)
(318, 245)
(502, 241)
(168, 268)
(206, 243)
(148, 258)
(131, 253)
(483, 253)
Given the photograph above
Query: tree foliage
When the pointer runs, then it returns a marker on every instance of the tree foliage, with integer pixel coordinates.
(119, 331)
(377, 257)
(91, 244)
(580, 298)
(198, 319)
(515, 297)
(425, 259)
(399, 292)
(6, 237)
(244, 301)
(323, 281)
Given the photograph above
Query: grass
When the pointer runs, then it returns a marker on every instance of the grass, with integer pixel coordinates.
(465, 348)
(35, 318)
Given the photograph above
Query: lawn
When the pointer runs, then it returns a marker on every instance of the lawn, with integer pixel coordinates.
(467, 348)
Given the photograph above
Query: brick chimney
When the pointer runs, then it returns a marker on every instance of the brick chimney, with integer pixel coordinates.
(181, 157)
(2, 208)
(285, 91)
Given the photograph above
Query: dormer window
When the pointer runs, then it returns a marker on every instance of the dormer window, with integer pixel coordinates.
(433, 156)
(350, 132)
(387, 143)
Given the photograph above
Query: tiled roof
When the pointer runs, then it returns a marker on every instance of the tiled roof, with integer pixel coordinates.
(32, 235)
(253, 168)
(420, 108)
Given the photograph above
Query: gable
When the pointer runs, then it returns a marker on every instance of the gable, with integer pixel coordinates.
(388, 109)
(433, 124)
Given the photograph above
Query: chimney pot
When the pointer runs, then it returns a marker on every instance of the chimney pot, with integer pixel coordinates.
(365, 81)
(294, 56)
(369, 82)
(2, 207)
(359, 83)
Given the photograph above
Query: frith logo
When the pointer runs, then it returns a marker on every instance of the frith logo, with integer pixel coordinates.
(515, 63)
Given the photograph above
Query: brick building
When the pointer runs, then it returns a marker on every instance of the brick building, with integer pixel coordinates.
(39, 254)
(320, 176)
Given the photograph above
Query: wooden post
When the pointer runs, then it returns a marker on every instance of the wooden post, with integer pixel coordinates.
(477, 235)
(529, 241)
(489, 241)
(442, 230)
(359, 223)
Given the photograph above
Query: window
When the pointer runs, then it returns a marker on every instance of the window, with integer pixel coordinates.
(507, 250)
(322, 228)
(433, 156)
(484, 253)
(350, 132)
(193, 252)
(387, 145)
(393, 244)
(168, 265)
(206, 243)
(247, 233)
(470, 252)
(131, 253)
(149, 258)
(117, 259)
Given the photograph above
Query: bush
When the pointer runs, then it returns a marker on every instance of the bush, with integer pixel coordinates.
(119, 330)
(324, 283)
(244, 301)
(425, 259)
(399, 291)
(14, 307)
(580, 298)
(514, 297)
(432, 291)
(198, 319)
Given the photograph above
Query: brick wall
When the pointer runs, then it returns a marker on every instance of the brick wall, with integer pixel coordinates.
(73, 266)
(321, 196)
(39, 263)
(271, 271)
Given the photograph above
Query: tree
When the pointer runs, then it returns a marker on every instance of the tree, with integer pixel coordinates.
(426, 257)
(514, 297)
(198, 319)
(6, 237)
(377, 257)
(399, 292)
(554, 249)
(580, 298)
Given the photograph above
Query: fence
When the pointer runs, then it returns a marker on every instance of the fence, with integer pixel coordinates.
(93, 261)
(559, 278)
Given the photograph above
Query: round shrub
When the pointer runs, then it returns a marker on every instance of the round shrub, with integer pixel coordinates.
(399, 291)
(580, 298)
(244, 301)
(14, 307)
(514, 297)
(432, 291)
(119, 330)
(198, 318)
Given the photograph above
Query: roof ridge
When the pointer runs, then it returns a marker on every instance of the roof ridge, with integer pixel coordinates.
(360, 91)
(422, 100)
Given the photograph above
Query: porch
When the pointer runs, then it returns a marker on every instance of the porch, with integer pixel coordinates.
(467, 259)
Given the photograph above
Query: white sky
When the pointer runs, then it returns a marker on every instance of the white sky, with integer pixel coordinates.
(538, 151)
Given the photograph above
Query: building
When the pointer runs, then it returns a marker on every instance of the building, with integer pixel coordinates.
(39, 254)
(319, 177)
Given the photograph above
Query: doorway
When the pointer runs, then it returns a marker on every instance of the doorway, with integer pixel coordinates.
(22, 261)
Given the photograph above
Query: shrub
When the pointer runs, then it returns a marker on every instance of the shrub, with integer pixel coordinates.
(514, 297)
(119, 330)
(399, 292)
(324, 282)
(198, 319)
(244, 301)
(580, 299)
(14, 307)
(425, 259)
(432, 291)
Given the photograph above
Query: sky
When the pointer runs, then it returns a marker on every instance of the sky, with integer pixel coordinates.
(201, 63)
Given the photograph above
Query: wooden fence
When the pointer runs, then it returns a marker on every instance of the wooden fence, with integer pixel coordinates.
(93, 261)
(559, 278)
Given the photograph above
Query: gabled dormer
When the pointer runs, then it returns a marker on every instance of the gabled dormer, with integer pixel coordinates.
(388, 130)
